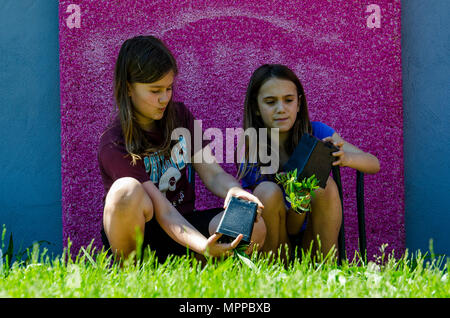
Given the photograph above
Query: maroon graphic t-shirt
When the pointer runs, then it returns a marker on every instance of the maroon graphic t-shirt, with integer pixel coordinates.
(173, 175)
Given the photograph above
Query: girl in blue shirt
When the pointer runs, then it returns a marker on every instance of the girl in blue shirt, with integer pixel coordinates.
(275, 99)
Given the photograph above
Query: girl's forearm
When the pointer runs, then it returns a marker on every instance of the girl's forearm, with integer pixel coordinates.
(221, 183)
(172, 222)
(180, 230)
(216, 180)
(363, 161)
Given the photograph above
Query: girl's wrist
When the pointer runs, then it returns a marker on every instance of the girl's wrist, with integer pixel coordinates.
(235, 187)
(348, 159)
(204, 250)
(354, 159)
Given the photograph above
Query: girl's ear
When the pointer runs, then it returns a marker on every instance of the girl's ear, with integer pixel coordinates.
(299, 103)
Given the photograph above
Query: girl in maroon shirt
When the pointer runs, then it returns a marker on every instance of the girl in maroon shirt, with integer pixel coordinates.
(147, 176)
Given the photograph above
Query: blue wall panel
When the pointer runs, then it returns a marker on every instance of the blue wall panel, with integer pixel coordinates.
(30, 188)
(426, 103)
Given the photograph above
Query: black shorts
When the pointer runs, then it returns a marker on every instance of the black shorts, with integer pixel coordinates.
(161, 243)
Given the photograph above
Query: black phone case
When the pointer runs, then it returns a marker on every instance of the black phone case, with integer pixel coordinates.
(238, 219)
(312, 156)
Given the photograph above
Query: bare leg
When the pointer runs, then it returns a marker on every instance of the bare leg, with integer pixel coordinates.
(294, 222)
(127, 208)
(324, 220)
(274, 215)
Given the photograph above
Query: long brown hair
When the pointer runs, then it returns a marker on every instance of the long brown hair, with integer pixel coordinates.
(252, 119)
(142, 59)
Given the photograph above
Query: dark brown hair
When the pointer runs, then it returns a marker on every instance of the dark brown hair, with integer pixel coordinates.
(142, 59)
(252, 119)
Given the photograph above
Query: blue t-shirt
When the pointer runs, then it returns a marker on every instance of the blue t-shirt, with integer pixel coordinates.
(253, 178)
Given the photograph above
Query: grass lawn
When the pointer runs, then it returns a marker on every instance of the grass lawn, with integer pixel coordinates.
(92, 275)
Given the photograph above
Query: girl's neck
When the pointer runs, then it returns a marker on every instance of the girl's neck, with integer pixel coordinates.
(146, 124)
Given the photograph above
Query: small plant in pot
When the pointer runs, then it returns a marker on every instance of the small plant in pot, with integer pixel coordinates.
(298, 193)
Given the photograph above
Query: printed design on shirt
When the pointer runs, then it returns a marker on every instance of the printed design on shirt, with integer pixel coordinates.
(169, 179)
(165, 171)
(179, 200)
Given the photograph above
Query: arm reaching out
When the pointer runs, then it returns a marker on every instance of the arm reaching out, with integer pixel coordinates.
(180, 230)
(222, 183)
(353, 157)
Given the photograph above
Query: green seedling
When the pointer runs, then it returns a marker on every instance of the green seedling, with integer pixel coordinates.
(298, 193)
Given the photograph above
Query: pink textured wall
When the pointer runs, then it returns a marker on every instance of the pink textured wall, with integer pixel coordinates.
(351, 74)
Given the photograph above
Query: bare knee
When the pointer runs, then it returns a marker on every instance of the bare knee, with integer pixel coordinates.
(330, 194)
(268, 191)
(272, 198)
(326, 206)
(127, 196)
